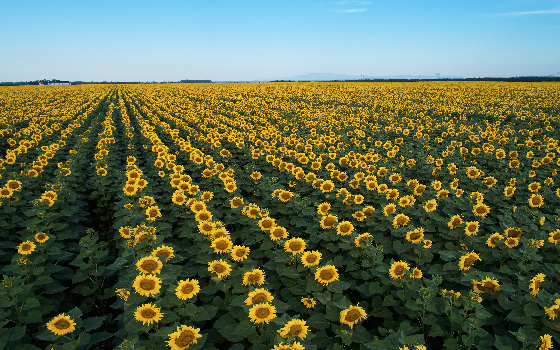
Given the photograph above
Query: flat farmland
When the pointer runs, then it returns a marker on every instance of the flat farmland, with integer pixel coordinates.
(280, 216)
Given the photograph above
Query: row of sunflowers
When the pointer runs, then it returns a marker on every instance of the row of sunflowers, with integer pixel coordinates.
(281, 216)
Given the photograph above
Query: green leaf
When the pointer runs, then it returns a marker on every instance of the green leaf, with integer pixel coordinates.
(15, 333)
(223, 321)
(518, 315)
(318, 321)
(361, 335)
(32, 316)
(451, 343)
(338, 286)
(532, 309)
(245, 328)
(92, 323)
(322, 297)
(31, 303)
(505, 343)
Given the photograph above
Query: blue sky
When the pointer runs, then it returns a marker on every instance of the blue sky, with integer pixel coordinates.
(270, 39)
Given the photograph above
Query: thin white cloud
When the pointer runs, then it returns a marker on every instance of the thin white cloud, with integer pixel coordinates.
(528, 13)
(354, 2)
(349, 10)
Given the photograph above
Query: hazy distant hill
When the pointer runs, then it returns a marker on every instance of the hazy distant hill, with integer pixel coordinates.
(333, 76)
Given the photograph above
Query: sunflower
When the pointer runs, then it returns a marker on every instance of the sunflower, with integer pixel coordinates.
(382, 188)
(509, 191)
(197, 207)
(258, 296)
(427, 244)
(266, 224)
(415, 236)
(481, 209)
(534, 186)
(255, 276)
(278, 232)
(352, 315)
(204, 215)
(47, 200)
(61, 324)
(326, 274)
(236, 202)
(407, 201)
(389, 209)
(261, 313)
(147, 285)
(554, 236)
(130, 190)
(123, 293)
(323, 208)
(219, 232)
(489, 181)
(451, 293)
(41, 237)
(179, 197)
(536, 284)
(14, 185)
(513, 232)
(183, 337)
(467, 260)
(294, 245)
(416, 273)
(471, 228)
(206, 227)
(512, 242)
(545, 342)
(149, 264)
(400, 220)
(294, 328)
(327, 186)
(537, 243)
(187, 289)
(222, 245)
(491, 241)
(395, 178)
(455, 221)
(362, 239)
(308, 302)
(26, 247)
(392, 194)
(239, 252)
(148, 313)
(285, 196)
(397, 269)
(220, 268)
(152, 213)
(486, 285)
(430, 205)
(164, 250)
(554, 310)
(536, 201)
(344, 228)
(311, 258)
(419, 190)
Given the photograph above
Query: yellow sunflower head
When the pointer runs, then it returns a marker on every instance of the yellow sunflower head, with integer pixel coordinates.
(352, 315)
(294, 245)
(149, 264)
(61, 324)
(183, 337)
(187, 289)
(262, 313)
(148, 314)
(326, 274)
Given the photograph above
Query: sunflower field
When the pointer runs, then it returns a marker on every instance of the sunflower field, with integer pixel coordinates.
(280, 216)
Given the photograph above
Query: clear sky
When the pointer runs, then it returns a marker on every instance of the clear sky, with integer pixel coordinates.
(271, 39)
